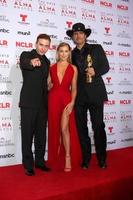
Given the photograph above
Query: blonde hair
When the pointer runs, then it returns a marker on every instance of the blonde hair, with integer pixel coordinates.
(62, 44)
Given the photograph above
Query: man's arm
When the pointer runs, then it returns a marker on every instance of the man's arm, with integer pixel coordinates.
(25, 61)
(103, 64)
(28, 63)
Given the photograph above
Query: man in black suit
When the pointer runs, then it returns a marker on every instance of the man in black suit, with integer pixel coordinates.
(33, 103)
(92, 63)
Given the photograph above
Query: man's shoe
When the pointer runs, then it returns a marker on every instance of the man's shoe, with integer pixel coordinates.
(84, 165)
(43, 168)
(102, 164)
(29, 172)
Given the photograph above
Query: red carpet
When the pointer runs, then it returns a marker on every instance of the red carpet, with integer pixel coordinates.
(113, 183)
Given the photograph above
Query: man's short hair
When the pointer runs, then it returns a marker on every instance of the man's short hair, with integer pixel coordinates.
(43, 36)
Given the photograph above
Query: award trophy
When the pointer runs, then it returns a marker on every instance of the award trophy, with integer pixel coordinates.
(89, 64)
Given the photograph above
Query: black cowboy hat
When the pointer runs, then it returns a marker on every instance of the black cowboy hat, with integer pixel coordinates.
(78, 27)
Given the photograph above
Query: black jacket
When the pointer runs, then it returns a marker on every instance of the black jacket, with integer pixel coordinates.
(34, 88)
(95, 91)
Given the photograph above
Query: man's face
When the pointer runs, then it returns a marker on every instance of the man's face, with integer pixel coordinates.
(79, 37)
(42, 46)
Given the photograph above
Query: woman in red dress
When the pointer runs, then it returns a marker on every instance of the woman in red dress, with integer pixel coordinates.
(63, 144)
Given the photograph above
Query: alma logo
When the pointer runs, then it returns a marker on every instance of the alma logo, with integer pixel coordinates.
(4, 105)
(86, 14)
(106, 4)
(123, 21)
(125, 102)
(24, 44)
(47, 7)
(122, 7)
(105, 17)
(3, 43)
(20, 4)
(112, 69)
(125, 69)
(4, 62)
(110, 116)
(126, 116)
(5, 125)
(69, 11)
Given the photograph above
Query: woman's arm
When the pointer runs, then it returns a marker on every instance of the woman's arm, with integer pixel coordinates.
(49, 82)
(74, 85)
(70, 106)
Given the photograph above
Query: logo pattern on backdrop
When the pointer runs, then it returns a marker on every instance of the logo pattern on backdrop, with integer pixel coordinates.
(110, 21)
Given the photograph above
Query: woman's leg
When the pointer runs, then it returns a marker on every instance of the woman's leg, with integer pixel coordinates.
(66, 139)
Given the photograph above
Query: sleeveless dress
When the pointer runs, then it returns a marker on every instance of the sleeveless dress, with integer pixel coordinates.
(59, 96)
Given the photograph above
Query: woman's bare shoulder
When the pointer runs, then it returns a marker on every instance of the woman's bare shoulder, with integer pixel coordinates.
(74, 68)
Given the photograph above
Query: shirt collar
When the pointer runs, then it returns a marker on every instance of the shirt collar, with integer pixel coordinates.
(83, 48)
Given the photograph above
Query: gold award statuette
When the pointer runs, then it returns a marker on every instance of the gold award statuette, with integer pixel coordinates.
(89, 64)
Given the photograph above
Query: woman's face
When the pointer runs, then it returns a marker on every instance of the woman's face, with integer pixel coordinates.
(64, 53)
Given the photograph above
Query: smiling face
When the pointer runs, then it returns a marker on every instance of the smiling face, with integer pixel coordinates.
(64, 53)
(42, 46)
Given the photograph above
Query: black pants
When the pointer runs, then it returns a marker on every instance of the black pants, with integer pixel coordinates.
(98, 126)
(33, 124)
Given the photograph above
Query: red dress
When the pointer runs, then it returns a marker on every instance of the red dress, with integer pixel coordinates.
(59, 96)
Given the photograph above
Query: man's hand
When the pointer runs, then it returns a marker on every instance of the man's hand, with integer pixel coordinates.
(90, 71)
(35, 62)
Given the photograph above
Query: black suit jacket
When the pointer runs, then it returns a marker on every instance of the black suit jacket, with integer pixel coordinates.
(95, 91)
(34, 88)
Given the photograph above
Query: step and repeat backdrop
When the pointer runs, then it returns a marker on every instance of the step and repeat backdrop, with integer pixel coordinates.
(111, 22)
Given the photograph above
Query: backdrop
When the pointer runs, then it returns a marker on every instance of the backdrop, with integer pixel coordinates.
(111, 22)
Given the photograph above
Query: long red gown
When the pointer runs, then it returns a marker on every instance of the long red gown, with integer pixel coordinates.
(59, 96)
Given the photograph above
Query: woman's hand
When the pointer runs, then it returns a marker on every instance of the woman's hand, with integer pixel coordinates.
(49, 82)
(50, 85)
(69, 108)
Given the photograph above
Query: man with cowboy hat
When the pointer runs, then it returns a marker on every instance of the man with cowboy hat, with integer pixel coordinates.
(91, 62)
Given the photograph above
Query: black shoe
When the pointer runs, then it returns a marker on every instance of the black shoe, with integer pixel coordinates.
(84, 165)
(43, 168)
(102, 164)
(29, 172)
